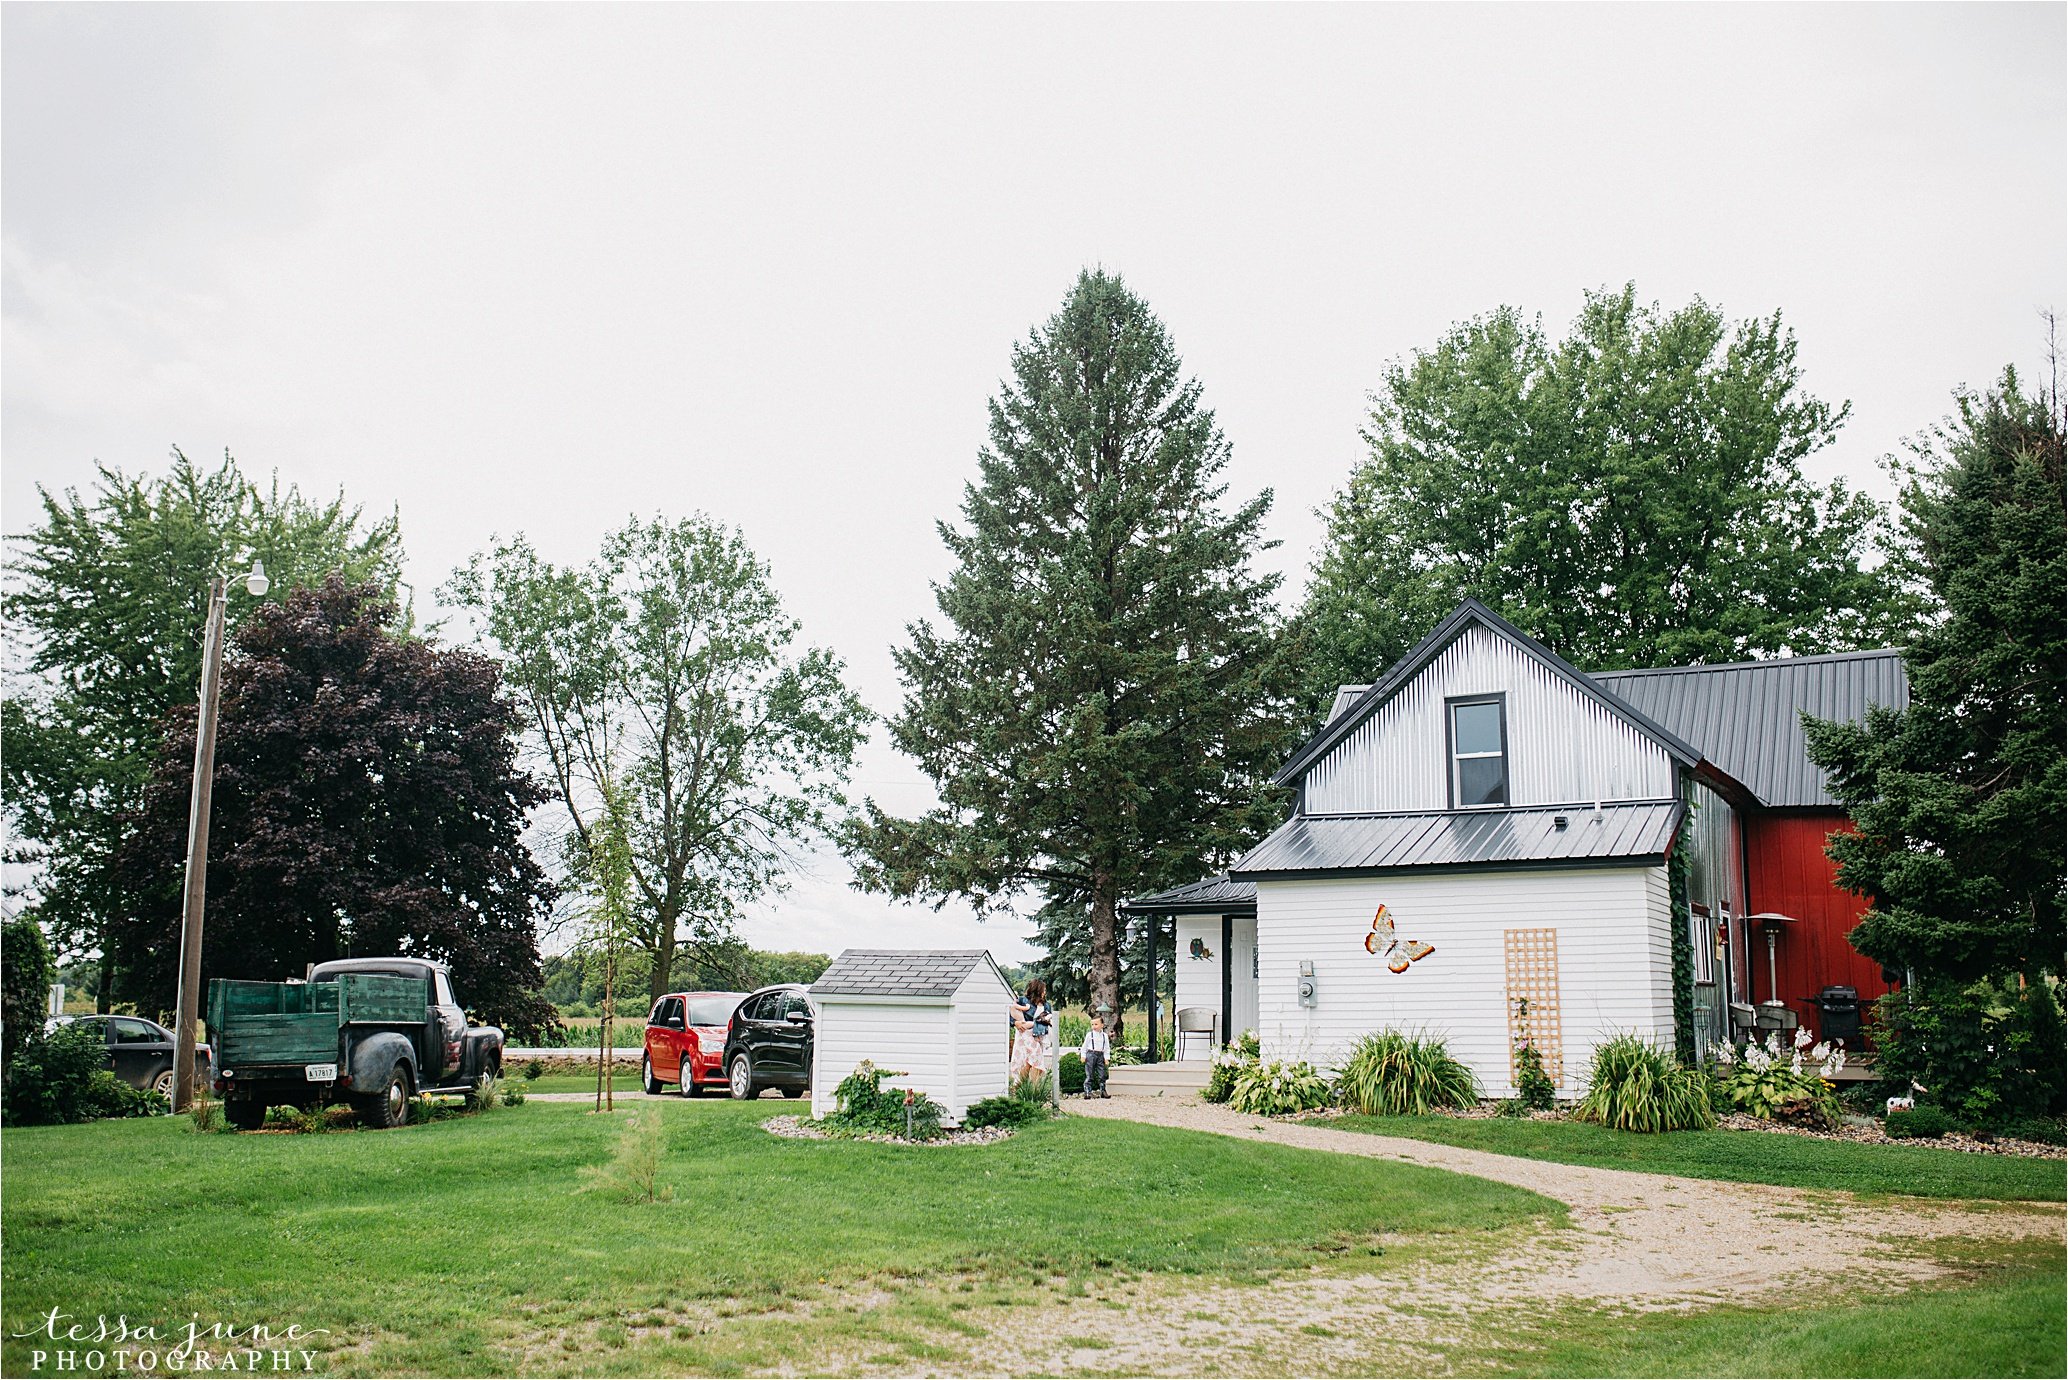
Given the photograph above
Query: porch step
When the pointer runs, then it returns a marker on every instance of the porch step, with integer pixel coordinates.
(1158, 1080)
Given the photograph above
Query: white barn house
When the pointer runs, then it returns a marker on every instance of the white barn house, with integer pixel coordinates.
(1484, 843)
(941, 1018)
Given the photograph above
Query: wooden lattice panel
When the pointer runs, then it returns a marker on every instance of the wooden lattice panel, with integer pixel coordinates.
(1533, 974)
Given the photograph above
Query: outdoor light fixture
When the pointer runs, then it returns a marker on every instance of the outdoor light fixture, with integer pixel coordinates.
(256, 582)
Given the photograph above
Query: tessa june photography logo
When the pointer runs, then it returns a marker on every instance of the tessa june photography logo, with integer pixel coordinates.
(118, 1346)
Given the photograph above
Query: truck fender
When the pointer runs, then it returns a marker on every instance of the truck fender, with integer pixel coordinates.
(375, 1057)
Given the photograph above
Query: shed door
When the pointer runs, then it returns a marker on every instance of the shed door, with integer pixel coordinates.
(1242, 977)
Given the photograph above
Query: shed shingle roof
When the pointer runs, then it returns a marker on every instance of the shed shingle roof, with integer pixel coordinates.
(901, 972)
(1747, 717)
(1623, 832)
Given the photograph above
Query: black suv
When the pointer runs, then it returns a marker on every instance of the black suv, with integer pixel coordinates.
(768, 1043)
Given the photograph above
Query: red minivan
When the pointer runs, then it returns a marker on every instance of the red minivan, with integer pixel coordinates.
(685, 1041)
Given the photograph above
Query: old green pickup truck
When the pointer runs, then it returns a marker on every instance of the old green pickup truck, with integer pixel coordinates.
(373, 1032)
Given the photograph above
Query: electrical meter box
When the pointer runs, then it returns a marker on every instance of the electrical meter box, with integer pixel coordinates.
(1309, 993)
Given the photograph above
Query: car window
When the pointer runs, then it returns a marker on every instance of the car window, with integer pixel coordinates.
(767, 1008)
(671, 1011)
(712, 1010)
(132, 1032)
(795, 1001)
(441, 985)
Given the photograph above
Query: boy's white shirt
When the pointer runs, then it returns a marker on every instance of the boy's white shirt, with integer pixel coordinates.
(1096, 1040)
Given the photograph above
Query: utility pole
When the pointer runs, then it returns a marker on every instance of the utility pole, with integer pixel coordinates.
(197, 853)
(189, 1006)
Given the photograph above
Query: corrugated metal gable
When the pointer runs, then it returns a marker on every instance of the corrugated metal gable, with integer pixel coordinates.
(1476, 838)
(1746, 717)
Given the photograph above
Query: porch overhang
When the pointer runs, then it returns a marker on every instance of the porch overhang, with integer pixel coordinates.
(1220, 895)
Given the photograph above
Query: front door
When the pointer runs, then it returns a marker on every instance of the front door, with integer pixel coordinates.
(1242, 976)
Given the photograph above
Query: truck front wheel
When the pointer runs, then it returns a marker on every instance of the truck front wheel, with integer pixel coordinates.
(245, 1116)
(388, 1108)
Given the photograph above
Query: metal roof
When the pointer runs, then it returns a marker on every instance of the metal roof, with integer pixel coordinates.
(1344, 719)
(1627, 831)
(1214, 896)
(901, 972)
(1747, 716)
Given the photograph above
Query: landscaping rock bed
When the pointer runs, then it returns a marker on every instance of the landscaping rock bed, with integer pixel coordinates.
(798, 1128)
(1871, 1134)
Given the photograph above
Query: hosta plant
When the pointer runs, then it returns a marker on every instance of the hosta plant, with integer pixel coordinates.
(1773, 1084)
(1229, 1065)
(1279, 1088)
(1392, 1074)
(1634, 1085)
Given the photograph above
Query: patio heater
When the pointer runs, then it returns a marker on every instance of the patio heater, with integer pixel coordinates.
(1771, 923)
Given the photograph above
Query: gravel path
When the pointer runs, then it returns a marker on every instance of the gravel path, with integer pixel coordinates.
(1641, 1241)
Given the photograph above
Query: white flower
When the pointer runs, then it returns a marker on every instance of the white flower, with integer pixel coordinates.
(1821, 1050)
(1724, 1056)
(1802, 1038)
(1794, 1063)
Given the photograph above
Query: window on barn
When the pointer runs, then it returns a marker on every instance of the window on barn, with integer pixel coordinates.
(1479, 753)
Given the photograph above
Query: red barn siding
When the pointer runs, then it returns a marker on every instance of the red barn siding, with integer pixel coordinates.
(1788, 871)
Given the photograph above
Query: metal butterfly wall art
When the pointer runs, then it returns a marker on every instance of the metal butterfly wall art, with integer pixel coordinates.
(1387, 944)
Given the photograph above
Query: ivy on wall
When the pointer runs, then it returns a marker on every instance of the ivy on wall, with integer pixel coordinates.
(1683, 955)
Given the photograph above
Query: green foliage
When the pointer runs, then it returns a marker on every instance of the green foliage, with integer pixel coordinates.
(1917, 1123)
(1636, 1086)
(487, 1093)
(108, 604)
(1026, 1102)
(513, 1094)
(1632, 495)
(1070, 1069)
(204, 1113)
(1534, 1089)
(1390, 1073)
(1682, 923)
(1959, 797)
(1101, 711)
(862, 1103)
(1988, 1052)
(1768, 1087)
(534, 1069)
(633, 1171)
(26, 973)
(58, 1078)
(666, 667)
(1279, 1088)
(368, 800)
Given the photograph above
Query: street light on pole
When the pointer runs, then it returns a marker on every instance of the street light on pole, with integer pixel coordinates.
(256, 583)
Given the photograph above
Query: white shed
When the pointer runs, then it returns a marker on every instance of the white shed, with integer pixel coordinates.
(941, 1018)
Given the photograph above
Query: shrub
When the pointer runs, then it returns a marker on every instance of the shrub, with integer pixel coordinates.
(1533, 1086)
(513, 1095)
(1228, 1067)
(26, 973)
(1392, 1074)
(1070, 1068)
(862, 1103)
(2045, 1130)
(1989, 1053)
(1511, 1107)
(534, 1069)
(1027, 1101)
(58, 1078)
(1773, 1084)
(1636, 1086)
(1918, 1123)
(1279, 1088)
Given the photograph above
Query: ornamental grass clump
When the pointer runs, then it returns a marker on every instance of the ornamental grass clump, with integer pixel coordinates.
(1636, 1086)
(1279, 1088)
(1393, 1074)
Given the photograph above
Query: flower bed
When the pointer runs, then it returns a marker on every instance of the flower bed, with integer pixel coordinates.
(1870, 1133)
(797, 1128)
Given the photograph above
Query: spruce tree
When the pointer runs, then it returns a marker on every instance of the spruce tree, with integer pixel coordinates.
(1959, 798)
(1103, 701)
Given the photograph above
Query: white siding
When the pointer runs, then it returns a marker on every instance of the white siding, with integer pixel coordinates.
(983, 1040)
(1564, 747)
(1199, 979)
(1615, 967)
(903, 1035)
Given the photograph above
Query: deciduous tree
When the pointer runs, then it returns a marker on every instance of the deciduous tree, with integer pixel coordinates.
(1102, 706)
(1632, 495)
(368, 801)
(109, 604)
(666, 668)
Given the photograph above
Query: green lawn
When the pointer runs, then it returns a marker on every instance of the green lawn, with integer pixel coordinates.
(463, 1247)
(2011, 1323)
(1742, 1156)
(624, 1080)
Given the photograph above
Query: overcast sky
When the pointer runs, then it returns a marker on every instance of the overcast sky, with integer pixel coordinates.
(533, 268)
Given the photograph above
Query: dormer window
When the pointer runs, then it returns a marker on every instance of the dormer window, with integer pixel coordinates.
(1478, 753)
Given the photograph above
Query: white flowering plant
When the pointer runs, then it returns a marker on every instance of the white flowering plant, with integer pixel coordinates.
(1771, 1081)
(1279, 1088)
(1229, 1065)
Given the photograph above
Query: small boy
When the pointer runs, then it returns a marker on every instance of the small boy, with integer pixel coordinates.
(1096, 1047)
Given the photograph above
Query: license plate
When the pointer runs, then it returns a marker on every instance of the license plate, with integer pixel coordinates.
(320, 1073)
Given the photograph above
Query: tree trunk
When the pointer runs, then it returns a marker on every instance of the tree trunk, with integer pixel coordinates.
(1104, 977)
(663, 959)
(104, 999)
